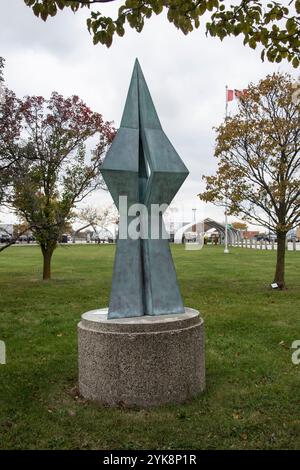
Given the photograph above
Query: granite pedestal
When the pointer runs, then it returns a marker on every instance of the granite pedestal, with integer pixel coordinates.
(141, 361)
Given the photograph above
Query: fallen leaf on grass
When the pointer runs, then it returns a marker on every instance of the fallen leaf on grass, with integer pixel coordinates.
(284, 345)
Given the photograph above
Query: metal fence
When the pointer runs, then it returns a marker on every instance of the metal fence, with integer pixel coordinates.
(264, 244)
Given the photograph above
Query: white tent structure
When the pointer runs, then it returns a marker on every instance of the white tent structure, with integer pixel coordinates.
(203, 227)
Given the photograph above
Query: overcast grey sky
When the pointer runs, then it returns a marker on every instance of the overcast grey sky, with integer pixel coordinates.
(186, 76)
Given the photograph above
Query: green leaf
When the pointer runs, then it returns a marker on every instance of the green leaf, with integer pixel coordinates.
(291, 26)
(52, 9)
(36, 9)
(252, 43)
(60, 4)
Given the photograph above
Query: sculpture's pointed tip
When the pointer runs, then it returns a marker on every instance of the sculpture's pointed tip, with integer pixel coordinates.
(130, 116)
(137, 66)
(139, 108)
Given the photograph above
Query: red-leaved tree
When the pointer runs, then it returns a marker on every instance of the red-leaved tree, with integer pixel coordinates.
(53, 171)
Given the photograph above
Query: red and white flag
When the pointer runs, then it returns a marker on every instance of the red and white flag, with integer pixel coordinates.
(229, 95)
(235, 94)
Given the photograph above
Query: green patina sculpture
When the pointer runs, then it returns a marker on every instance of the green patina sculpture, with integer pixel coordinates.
(143, 165)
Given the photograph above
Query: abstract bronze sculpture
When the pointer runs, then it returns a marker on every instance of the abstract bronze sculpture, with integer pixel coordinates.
(146, 349)
(143, 165)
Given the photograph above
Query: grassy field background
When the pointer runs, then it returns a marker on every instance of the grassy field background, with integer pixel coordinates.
(252, 399)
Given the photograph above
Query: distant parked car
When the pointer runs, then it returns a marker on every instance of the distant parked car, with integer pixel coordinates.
(5, 238)
(291, 238)
(261, 237)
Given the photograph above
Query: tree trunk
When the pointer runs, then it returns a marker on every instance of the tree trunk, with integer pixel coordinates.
(280, 263)
(47, 251)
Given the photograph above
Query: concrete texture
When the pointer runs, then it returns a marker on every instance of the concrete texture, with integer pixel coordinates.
(141, 361)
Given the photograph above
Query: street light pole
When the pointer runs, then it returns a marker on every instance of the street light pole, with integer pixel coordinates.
(226, 228)
(194, 218)
(226, 218)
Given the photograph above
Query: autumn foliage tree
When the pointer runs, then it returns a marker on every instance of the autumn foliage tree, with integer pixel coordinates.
(239, 225)
(273, 25)
(55, 171)
(258, 153)
(10, 135)
(1, 69)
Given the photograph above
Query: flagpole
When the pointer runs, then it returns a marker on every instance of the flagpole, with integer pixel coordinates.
(226, 101)
(226, 219)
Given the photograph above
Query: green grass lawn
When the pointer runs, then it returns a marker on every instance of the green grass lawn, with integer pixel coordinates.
(252, 400)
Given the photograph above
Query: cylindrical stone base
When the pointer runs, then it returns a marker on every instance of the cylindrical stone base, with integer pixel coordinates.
(141, 361)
